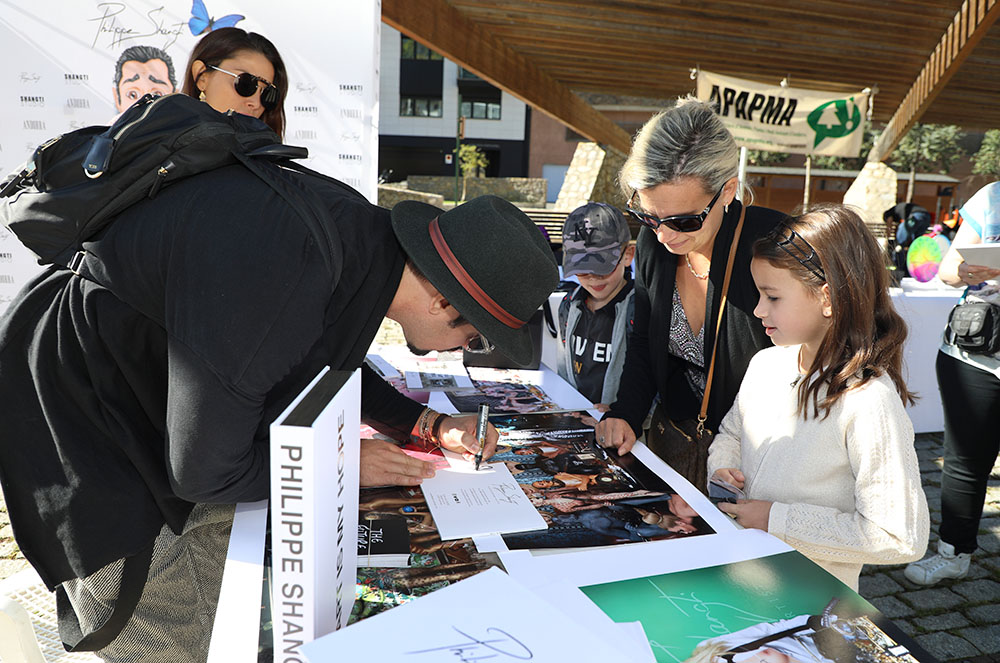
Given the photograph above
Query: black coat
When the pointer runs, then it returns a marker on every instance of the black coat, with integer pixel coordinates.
(650, 369)
(127, 402)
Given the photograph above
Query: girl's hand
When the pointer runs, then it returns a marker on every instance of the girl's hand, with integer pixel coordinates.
(748, 513)
(730, 475)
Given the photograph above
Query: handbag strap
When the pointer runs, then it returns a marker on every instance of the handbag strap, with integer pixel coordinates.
(703, 413)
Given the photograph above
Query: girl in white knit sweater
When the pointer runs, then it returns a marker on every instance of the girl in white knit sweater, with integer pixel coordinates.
(818, 437)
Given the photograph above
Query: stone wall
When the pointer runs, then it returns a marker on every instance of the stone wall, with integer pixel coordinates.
(873, 192)
(592, 177)
(529, 190)
(389, 195)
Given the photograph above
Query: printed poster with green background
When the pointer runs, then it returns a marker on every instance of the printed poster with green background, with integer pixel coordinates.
(682, 609)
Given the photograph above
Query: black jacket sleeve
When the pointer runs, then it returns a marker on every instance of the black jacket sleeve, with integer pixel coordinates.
(385, 409)
(637, 387)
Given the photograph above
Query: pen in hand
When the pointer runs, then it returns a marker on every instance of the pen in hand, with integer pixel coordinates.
(481, 423)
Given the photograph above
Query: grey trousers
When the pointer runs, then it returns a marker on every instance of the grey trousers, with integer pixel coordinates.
(173, 620)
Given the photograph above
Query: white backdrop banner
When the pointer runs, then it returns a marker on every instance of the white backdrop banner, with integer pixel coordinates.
(787, 119)
(62, 64)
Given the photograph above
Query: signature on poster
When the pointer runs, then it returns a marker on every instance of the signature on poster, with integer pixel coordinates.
(111, 24)
(306, 88)
(29, 77)
(474, 649)
(695, 604)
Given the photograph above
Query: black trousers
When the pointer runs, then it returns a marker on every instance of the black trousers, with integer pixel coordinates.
(971, 400)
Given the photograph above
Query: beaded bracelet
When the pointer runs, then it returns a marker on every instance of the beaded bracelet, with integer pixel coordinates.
(426, 427)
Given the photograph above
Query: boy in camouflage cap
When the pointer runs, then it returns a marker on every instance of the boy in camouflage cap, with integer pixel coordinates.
(595, 318)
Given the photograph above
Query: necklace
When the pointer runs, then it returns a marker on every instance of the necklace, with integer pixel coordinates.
(700, 277)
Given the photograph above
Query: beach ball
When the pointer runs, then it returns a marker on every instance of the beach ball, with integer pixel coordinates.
(924, 256)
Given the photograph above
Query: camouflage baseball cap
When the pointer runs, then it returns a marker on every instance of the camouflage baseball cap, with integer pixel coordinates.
(594, 237)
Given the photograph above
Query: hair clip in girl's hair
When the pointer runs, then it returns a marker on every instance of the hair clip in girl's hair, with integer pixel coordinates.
(796, 246)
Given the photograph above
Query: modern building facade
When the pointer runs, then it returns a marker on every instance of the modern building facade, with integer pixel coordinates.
(420, 95)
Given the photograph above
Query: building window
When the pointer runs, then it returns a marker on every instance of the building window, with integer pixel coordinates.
(414, 50)
(419, 107)
(481, 110)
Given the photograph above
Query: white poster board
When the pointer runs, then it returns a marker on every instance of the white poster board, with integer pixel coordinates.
(61, 59)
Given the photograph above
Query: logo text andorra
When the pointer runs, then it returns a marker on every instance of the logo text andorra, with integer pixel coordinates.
(834, 119)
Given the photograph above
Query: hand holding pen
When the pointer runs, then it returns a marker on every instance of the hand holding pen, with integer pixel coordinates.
(458, 434)
(482, 423)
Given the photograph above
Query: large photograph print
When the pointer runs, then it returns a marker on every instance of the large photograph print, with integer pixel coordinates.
(775, 608)
(587, 495)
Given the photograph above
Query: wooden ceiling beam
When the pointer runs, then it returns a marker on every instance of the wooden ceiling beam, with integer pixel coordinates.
(443, 28)
(922, 21)
(971, 23)
(537, 39)
(851, 68)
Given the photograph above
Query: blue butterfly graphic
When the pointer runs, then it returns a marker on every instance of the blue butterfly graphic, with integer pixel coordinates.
(201, 22)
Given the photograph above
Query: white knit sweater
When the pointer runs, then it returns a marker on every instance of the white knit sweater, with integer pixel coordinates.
(846, 489)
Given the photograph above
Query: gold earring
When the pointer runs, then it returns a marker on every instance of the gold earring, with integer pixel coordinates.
(201, 96)
(725, 208)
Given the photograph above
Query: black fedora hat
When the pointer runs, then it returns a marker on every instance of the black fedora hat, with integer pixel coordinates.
(487, 258)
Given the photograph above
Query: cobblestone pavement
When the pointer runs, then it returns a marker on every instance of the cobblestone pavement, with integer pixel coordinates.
(955, 620)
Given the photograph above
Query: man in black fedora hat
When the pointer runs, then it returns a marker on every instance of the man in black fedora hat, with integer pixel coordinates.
(138, 390)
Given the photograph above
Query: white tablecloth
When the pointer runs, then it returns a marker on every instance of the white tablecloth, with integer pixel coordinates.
(925, 307)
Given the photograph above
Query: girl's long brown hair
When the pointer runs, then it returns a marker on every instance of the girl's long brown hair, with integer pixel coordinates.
(866, 335)
(223, 43)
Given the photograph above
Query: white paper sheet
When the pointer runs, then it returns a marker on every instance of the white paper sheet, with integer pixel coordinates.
(465, 502)
(438, 378)
(381, 366)
(635, 635)
(638, 560)
(984, 255)
(237, 618)
(483, 617)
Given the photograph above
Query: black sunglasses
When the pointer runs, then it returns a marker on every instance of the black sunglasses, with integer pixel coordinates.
(682, 223)
(247, 84)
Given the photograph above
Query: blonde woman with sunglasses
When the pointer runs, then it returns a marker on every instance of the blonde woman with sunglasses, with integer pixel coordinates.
(680, 181)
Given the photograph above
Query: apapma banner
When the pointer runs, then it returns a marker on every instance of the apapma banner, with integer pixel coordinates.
(787, 119)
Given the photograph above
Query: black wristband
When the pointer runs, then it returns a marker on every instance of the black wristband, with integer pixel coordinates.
(436, 429)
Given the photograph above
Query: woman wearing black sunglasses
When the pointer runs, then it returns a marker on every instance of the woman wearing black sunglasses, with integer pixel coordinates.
(234, 69)
(680, 180)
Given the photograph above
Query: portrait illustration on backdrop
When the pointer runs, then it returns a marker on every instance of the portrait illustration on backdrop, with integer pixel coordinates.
(142, 70)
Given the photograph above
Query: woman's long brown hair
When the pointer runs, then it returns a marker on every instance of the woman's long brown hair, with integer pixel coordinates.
(223, 43)
(865, 338)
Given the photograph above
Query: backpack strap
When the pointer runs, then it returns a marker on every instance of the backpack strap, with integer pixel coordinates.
(298, 167)
(304, 202)
(279, 151)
